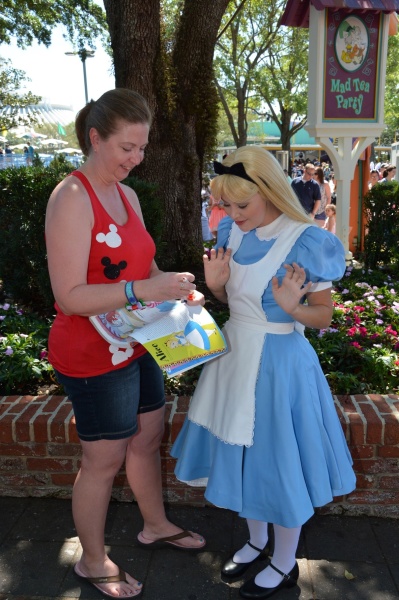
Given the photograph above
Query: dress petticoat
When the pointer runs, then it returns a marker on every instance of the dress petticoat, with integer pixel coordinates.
(298, 458)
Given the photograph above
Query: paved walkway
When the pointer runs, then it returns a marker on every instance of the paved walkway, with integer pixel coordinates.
(38, 547)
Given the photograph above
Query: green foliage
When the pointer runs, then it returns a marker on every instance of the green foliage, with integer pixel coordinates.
(24, 193)
(391, 105)
(28, 21)
(23, 350)
(11, 83)
(381, 204)
(248, 32)
(359, 351)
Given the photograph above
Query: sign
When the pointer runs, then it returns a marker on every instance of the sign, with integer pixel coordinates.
(351, 66)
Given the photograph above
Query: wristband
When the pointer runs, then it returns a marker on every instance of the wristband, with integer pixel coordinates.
(131, 298)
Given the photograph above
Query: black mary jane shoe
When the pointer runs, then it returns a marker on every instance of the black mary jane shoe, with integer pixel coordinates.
(231, 569)
(252, 591)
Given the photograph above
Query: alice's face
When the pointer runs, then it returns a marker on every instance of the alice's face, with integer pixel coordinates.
(122, 151)
(254, 212)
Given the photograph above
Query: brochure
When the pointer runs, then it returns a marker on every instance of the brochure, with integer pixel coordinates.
(177, 335)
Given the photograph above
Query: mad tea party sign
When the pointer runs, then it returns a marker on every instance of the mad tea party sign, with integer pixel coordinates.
(352, 66)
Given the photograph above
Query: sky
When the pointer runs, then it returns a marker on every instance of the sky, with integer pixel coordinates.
(59, 78)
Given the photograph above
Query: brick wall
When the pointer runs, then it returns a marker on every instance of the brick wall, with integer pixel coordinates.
(40, 452)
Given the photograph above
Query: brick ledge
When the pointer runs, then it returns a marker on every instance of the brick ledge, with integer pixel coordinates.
(40, 452)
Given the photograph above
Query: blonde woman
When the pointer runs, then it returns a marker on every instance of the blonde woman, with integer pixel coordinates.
(262, 432)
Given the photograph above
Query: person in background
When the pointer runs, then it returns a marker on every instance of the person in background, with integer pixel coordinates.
(330, 222)
(100, 258)
(262, 432)
(216, 214)
(325, 193)
(374, 178)
(308, 191)
(31, 154)
(388, 174)
(289, 179)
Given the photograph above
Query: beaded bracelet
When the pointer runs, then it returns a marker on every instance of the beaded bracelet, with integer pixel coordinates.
(131, 298)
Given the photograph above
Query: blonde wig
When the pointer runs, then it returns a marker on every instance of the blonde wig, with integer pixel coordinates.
(270, 182)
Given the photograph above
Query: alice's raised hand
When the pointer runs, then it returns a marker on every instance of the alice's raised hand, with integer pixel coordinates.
(217, 268)
(292, 288)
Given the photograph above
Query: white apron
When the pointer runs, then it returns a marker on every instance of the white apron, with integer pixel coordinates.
(224, 399)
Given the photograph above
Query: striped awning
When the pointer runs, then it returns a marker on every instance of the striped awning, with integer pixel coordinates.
(296, 12)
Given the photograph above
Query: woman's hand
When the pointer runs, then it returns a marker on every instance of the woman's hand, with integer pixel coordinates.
(164, 286)
(217, 269)
(292, 289)
(195, 299)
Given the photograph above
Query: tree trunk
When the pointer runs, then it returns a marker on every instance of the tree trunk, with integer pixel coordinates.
(179, 87)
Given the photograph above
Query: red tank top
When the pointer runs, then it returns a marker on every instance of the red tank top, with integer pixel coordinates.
(117, 252)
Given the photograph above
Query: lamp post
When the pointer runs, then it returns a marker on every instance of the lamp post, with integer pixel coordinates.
(83, 55)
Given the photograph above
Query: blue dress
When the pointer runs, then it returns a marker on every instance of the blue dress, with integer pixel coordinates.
(298, 458)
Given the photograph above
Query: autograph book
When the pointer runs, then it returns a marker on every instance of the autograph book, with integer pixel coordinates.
(177, 335)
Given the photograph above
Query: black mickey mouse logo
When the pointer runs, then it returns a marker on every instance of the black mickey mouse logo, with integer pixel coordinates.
(112, 271)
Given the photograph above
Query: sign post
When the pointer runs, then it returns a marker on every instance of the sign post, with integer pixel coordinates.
(347, 64)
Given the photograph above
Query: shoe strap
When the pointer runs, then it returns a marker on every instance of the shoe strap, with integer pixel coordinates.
(284, 575)
(254, 547)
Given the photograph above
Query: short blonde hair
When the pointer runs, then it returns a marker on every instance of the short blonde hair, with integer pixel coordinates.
(269, 181)
(331, 207)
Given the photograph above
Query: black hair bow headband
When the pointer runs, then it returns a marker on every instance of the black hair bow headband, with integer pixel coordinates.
(237, 169)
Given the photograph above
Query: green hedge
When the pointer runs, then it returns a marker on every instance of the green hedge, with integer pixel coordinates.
(381, 204)
(24, 193)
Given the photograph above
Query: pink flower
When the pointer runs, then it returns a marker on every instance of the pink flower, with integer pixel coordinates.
(390, 331)
(359, 308)
(356, 345)
(43, 354)
(352, 331)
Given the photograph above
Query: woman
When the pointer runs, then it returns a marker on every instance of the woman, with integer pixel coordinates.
(217, 213)
(388, 173)
(374, 178)
(100, 258)
(262, 430)
(325, 192)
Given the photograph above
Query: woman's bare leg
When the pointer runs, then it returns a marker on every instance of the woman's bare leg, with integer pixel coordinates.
(101, 461)
(143, 469)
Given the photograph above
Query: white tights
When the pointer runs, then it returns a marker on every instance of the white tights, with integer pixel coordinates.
(285, 546)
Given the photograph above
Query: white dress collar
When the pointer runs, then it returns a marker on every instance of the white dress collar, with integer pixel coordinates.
(273, 229)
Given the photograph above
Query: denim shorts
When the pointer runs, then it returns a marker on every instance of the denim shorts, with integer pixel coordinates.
(106, 406)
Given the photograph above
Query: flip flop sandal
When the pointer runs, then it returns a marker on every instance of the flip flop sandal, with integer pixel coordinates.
(112, 579)
(170, 540)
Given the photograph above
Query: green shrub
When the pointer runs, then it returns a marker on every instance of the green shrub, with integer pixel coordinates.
(24, 193)
(23, 350)
(381, 204)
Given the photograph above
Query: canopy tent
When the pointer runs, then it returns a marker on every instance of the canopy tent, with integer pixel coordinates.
(69, 151)
(33, 135)
(54, 142)
(21, 147)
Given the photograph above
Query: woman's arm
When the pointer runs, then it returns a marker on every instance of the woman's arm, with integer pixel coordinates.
(328, 193)
(317, 313)
(69, 221)
(217, 272)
